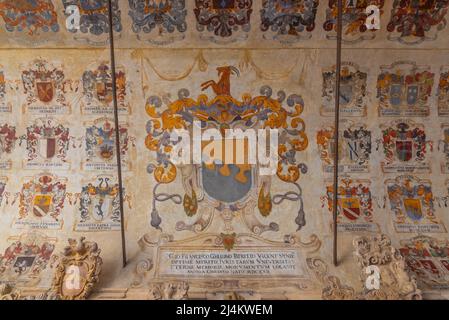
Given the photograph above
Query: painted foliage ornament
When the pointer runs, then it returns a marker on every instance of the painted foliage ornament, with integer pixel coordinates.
(354, 19)
(223, 18)
(288, 20)
(94, 20)
(31, 16)
(413, 22)
(226, 189)
(443, 92)
(158, 22)
(7, 142)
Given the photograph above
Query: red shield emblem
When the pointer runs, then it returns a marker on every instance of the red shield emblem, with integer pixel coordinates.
(104, 91)
(47, 147)
(404, 150)
(351, 208)
(45, 91)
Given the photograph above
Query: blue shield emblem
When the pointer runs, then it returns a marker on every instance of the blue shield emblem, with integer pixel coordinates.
(395, 94)
(346, 94)
(412, 94)
(226, 183)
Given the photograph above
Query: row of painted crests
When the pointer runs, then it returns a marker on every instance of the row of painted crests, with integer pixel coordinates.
(166, 21)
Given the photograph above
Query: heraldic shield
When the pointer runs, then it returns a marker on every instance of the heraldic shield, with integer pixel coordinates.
(226, 183)
(45, 91)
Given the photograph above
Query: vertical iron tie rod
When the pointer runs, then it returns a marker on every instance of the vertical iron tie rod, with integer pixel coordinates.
(336, 128)
(117, 132)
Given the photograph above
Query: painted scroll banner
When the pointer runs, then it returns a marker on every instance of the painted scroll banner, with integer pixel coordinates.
(247, 263)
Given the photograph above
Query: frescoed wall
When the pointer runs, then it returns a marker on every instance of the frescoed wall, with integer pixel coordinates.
(220, 230)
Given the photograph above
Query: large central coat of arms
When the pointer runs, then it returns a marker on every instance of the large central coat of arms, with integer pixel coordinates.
(412, 204)
(226, 190)
(354, 147)
(413, 22)
(404, 89)
(353, 95)
(45, 87)
(94, 19)
(354, 19)
(288, 20)
(97, 91)
(41, 201)
(223, 18)
(405, 147)
(355, 205)
(24, 260)
(428, 259)
(29, 15)
(100, 145)
(158, 22)
(47, 143)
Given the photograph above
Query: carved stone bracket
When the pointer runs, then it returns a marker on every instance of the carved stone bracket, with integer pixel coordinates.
(394, 282)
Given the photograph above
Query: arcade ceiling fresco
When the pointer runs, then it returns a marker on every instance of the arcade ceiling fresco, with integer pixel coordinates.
(223, 230)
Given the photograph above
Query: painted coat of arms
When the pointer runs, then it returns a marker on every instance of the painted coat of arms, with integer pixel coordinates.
(41, 201)
(288, 20)
(45, 88)
(413, 22)
(24, 260)
(5, 105)
(412, 205)
(223, 19)
(94, 20)
(405, 147)
(30, 16)
(3, 192)
(7, 142)
(100, 145)
(99, 208)
(428, 259)
(404, 89)
(353, 95)
(97, 91)
(443, 92)
(47, 143)
(228, 191)
(443, 147)
(354, 17)
(355, 205)
(354, 148)
(158, 22)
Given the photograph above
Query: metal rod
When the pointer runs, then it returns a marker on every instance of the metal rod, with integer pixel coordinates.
(117, 133)
(336, 129)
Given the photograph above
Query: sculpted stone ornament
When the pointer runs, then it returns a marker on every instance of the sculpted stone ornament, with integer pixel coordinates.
(395, 283)
(7, 292)
(169, 291)
(77, 270)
